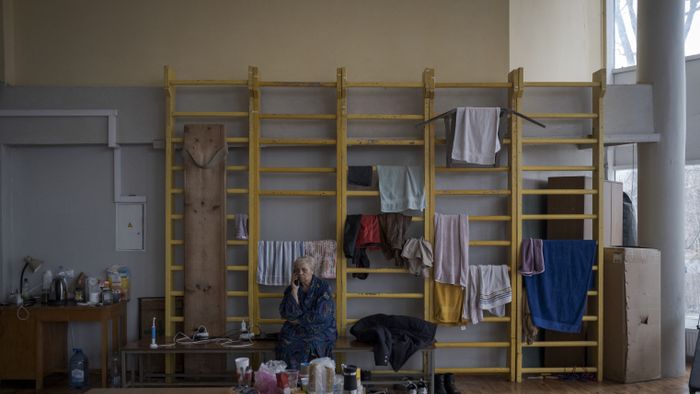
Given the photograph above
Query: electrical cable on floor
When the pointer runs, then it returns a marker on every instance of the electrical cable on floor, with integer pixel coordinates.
(181, 338)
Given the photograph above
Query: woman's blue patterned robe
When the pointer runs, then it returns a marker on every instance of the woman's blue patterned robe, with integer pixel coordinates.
(309, 330)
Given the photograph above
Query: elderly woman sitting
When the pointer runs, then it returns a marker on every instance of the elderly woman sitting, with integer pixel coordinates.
(309, 310)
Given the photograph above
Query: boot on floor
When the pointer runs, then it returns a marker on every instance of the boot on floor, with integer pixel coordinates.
(440, 384)
(449, 384)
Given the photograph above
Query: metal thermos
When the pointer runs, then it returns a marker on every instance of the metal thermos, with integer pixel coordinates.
(58, 291)
(349, 379)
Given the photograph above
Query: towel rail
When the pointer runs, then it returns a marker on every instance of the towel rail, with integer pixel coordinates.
(194, 114)
(384, 141)
(209, 82)
(297, 193)
(473, 192)
(297, 141)
(300, 170)
(558, 141)
(562, 344)
(573, 115)
(474, 371)
(293, 84)
(462, 345)
(385, 295)
(384, 117)
(298, 116)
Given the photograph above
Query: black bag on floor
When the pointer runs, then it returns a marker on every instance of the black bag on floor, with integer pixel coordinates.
(694, 381)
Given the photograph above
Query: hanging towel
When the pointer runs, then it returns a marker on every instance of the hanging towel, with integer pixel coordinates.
(557, 297)
(369, 236)
(448, 303)
(240, 226)
(531, 257)
(275, 259)
(419, 254)
(452, 249)
(401, 188)
(489, 290)
(394, 227)
(360, 175)
(475, 138)
(324, 252)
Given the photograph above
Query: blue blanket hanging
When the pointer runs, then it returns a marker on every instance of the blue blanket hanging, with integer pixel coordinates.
(557, 297)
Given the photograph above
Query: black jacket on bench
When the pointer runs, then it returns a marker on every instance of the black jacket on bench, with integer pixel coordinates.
(395, 338)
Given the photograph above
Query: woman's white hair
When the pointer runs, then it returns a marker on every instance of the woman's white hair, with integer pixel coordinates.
(308, 260)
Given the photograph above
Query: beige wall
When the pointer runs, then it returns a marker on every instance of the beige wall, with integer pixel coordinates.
(7, 41)
(127, 42)
(555, 40)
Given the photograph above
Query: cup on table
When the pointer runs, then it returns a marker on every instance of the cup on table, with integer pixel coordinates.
(282, 380)
(293, 377)
(242, 363)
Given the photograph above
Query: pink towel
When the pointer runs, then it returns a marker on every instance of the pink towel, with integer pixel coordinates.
(324, 252)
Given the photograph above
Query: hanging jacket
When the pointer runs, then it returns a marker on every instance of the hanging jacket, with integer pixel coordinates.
(395, 338)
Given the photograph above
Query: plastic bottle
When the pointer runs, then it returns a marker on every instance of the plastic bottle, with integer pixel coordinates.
(46, 280)
(78, 371)
(115, 378)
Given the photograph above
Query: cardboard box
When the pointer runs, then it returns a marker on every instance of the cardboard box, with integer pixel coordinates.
(632, 328)
(579, 204)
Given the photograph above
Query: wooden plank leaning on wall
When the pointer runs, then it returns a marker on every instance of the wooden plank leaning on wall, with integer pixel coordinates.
(204, 154)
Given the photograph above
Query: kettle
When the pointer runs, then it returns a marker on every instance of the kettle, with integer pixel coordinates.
(58, 291)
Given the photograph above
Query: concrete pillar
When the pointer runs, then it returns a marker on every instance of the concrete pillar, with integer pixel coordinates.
(661, 62)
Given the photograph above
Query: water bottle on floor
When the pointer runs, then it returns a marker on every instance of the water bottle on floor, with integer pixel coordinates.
(78, 371)
(115, 377)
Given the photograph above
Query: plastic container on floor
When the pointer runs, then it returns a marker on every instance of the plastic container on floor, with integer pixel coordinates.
(78, 371)
(115, 377)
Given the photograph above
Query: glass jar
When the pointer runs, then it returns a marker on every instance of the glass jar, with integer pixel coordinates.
(107, 295)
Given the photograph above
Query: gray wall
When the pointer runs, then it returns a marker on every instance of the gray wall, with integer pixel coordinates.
(624, 155)
(56, 187)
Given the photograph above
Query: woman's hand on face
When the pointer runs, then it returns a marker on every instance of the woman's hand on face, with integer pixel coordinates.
(295, 287)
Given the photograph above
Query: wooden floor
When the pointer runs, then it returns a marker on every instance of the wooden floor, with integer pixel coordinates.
(466, 384)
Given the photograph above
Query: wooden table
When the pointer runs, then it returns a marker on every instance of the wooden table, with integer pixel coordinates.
(262, 349)
(114, 314)
(41, 337)
(142, 348)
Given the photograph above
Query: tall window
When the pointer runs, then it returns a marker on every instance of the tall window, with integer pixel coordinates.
(628, 177)
(626, 31)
